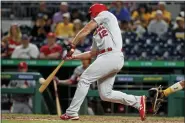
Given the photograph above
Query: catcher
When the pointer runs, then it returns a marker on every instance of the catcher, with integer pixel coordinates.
(157, 94)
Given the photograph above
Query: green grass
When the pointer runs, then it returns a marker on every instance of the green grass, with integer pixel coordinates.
(21, 118)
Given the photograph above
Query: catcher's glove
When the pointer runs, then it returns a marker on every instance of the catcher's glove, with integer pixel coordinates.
(156, 96)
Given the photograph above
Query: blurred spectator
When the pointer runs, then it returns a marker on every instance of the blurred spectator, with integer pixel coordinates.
(22, 103)
(52, 50)
(125, 26)
(43, 11)
(179, 31)
(181, 14)
(58, 16)
(4, 50)
(138, 28)
(142, 14)
(65, 29)
(77, 26)
(84, 43)
(121, 12)
(76, 14)
(166, 14)
(26, 50)
(158, 25)
(12, 39)
(41, 28)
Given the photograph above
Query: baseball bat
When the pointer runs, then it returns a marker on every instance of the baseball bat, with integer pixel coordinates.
(58, 107)
(50, 77)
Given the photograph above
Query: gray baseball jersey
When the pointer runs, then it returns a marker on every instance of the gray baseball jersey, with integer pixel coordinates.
(105, 67)
(77, 73)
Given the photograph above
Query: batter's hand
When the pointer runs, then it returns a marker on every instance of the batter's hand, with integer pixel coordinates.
(70, 51)
(70, 57)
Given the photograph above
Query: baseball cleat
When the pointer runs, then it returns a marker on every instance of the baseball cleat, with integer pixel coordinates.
(67, 117)
(142, 108)
(157, 96)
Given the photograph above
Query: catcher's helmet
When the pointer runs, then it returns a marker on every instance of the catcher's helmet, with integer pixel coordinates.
(95, 9)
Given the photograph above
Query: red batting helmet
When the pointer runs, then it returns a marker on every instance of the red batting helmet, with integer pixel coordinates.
(95, 9)
(23, 65)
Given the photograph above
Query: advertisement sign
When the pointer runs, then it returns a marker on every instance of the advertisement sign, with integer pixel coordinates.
(125, 79)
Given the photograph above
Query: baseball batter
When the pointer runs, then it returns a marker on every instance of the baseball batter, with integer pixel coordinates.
(107, 46)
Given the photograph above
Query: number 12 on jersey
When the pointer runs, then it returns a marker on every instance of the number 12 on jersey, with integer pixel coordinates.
(102, 32)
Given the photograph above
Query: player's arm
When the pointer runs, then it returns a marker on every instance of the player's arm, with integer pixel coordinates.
(65, 82)
(85, 55)
(84, 32)
(69, 81)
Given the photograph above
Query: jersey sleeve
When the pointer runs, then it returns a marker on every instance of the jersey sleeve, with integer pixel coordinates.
(103, 17)
(75, 75)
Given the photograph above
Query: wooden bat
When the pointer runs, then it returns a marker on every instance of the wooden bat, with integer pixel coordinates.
(57, 99)
(50, 77)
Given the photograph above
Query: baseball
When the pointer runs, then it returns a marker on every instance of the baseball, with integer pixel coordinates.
(41, 80)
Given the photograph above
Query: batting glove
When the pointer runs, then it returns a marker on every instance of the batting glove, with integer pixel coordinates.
(70, 51)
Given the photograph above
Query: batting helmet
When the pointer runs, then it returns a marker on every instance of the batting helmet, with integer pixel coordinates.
(95, 9)
(22, 65)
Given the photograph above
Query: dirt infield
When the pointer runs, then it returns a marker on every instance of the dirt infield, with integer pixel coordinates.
(19, 118)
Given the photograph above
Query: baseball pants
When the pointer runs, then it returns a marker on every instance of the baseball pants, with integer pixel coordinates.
(103, 70)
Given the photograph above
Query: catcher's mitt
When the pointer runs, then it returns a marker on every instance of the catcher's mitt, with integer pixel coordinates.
(156, 96)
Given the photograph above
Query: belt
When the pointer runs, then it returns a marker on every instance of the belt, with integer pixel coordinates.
(107, 50)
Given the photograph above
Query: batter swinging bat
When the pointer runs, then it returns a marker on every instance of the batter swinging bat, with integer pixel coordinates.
(50, 78)
(57, 99)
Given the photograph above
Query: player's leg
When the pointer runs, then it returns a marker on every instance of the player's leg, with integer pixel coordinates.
(107, 94)
(98, 69)
(105, 86)
(157, 95)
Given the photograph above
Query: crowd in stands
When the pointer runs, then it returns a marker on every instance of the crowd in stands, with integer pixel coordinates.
(148, 33)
